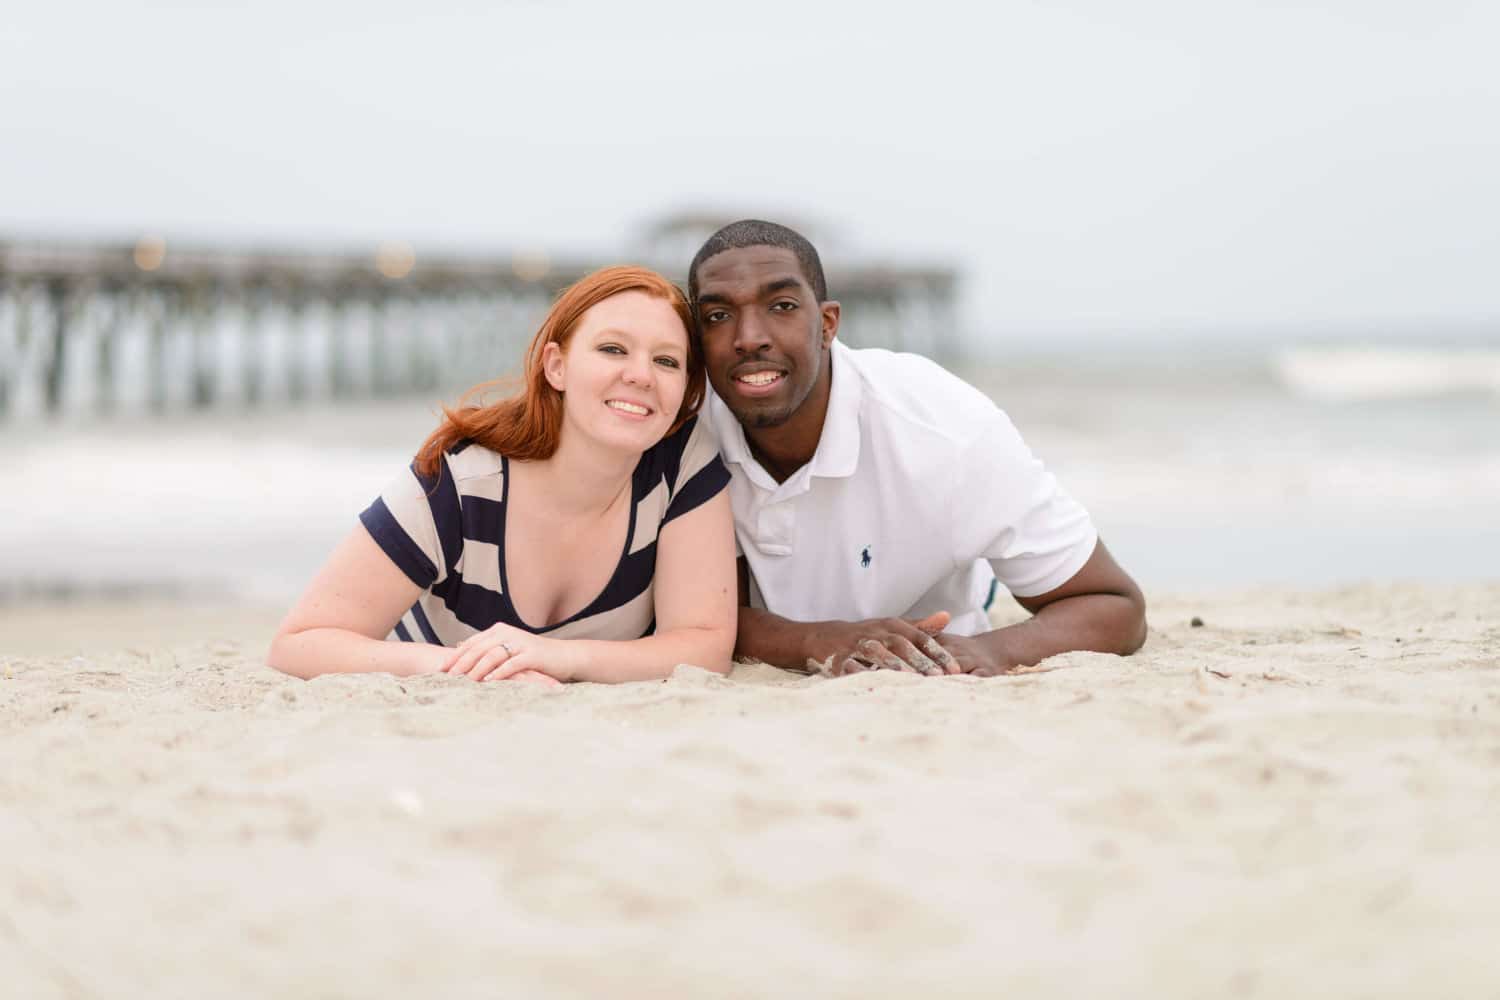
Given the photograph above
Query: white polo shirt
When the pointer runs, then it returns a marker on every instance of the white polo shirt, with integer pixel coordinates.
(920, 495)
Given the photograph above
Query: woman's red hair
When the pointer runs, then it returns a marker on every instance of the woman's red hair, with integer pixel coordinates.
(527, 426)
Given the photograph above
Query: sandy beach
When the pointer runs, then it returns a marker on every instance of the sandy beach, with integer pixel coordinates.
(1300, 797)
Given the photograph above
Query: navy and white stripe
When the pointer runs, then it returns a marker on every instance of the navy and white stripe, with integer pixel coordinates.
(447, 534)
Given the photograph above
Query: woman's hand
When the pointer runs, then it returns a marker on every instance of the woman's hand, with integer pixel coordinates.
(504, 651)
(532, 677)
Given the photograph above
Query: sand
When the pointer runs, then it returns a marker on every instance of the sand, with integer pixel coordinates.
(1301, 797)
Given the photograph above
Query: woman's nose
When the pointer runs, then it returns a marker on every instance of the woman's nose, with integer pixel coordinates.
(639, 373)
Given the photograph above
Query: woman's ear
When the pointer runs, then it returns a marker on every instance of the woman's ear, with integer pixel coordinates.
(554, 365)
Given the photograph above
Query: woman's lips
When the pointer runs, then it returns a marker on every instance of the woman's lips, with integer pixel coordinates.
(628, 410)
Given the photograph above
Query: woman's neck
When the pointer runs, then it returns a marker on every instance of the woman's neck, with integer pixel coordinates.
(580, 480)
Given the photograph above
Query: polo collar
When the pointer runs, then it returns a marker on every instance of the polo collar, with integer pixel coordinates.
(838, 447)
(731, 433)
(837, 453)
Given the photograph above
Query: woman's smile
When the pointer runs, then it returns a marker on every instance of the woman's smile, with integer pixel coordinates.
(628, 409)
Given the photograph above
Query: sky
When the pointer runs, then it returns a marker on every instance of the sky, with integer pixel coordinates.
(1092, 167)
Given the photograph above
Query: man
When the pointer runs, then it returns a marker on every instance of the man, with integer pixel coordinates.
(877, 497)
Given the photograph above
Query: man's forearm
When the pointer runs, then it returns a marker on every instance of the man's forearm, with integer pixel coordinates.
(772, 639)
(1103, 623)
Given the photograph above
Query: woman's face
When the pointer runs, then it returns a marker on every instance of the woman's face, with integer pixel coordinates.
(624, 371)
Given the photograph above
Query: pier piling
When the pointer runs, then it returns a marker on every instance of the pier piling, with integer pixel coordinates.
(153, 328)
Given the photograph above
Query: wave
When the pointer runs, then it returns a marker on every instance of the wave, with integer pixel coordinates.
(1348, 374)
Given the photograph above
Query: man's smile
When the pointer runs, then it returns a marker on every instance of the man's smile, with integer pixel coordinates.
(757, 379)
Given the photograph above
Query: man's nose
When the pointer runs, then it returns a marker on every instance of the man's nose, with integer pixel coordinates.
(751, 334)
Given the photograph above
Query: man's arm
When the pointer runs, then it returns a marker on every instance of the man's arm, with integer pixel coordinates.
(1100, 608)
(840, 647)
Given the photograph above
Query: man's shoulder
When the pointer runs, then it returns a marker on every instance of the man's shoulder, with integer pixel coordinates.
(916, 395)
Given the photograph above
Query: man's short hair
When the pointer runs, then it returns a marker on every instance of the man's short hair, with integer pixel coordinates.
(758, 233)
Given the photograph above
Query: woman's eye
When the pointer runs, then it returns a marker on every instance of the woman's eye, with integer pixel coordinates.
(666, 361)
(612, 349)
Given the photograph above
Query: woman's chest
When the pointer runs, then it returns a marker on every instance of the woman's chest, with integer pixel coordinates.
(555, 569)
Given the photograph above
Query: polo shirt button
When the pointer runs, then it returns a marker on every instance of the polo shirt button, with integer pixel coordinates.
(776, 524)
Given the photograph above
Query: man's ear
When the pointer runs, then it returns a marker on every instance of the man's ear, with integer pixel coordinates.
(830, 321)
(554, 365)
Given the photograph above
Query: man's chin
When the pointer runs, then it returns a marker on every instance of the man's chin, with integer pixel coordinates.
(760, 418)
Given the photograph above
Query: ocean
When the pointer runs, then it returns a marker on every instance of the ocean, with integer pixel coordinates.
(1237, 464)
(1222, 465)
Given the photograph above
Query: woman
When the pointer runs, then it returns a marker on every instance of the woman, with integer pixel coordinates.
(577, 531)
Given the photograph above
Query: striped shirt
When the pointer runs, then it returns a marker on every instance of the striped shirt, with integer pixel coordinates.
(447, 534)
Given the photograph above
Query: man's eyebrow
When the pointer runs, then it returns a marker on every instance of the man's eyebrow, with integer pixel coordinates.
(768, 289)
(779, 285)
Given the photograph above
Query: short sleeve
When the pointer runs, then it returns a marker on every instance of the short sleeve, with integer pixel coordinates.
(1034, 535)
(409, 520)
(700, 472)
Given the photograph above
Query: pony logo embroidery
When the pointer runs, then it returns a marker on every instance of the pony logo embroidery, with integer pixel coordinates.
(864, 558)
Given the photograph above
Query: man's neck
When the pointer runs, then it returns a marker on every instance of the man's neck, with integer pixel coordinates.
(787, 447)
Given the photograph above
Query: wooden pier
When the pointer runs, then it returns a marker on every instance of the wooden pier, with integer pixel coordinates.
(154, 327)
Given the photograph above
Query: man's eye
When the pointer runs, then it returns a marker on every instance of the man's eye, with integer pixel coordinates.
(717, 316)
(784, 306)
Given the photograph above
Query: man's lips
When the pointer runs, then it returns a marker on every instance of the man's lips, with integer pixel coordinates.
(757, 381)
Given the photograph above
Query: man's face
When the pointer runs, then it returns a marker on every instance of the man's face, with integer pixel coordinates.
(765, 335)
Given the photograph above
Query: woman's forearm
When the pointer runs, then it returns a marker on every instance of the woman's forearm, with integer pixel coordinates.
(316, 651)
(654, 656)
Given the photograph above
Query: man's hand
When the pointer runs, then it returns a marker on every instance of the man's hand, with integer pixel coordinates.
(979, 655)
(841, 648)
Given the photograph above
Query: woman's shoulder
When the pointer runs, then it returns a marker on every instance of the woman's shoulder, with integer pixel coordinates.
(468, 460)
(678, 440)
(681, 453)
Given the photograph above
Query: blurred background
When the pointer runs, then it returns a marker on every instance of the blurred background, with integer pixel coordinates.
(1231, 267)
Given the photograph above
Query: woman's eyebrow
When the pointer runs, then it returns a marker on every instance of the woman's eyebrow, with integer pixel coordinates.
(620, 333)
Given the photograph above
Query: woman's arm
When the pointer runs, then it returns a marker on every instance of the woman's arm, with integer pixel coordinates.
(695, 603)
(695, 616)
(340, 623)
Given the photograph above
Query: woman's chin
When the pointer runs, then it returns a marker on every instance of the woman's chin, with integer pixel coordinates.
(629, 437)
